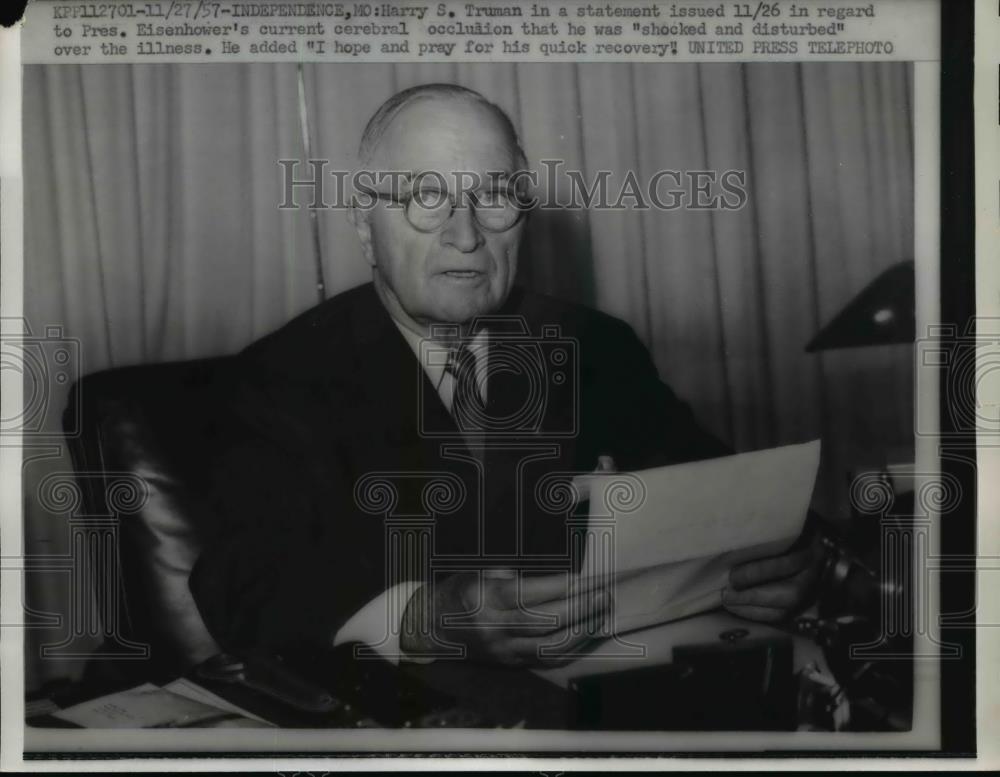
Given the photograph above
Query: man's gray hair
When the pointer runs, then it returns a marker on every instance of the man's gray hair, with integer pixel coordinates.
(383, 117)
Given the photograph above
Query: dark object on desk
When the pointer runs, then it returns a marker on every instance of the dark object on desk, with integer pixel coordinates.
(881, 314)
(731, 685)
(327, 689)
(269, 677)
(866, 616)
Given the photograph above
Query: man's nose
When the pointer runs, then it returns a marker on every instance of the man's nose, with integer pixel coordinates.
(461, 231)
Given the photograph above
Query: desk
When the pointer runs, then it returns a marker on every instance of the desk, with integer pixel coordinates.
(461, 695)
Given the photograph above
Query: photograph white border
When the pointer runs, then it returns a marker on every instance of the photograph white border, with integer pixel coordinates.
(926, 703)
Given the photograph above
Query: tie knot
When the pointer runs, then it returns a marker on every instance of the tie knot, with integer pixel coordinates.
(461, 361)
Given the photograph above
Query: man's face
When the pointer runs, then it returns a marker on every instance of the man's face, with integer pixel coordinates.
(461, 270)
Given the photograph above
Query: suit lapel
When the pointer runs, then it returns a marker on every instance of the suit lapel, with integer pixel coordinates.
(390, 375)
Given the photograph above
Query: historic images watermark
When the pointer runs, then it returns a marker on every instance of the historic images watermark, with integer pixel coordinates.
(44, 360)
(317, 185)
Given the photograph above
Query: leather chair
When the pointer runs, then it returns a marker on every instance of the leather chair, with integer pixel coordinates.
(161, 423)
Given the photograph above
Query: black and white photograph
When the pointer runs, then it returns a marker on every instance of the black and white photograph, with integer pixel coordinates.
(396, 407)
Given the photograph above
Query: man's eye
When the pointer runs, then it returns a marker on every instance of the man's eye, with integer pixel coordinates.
(430, 198)
(493, 200)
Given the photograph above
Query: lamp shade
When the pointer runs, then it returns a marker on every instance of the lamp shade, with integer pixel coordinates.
(881, 314)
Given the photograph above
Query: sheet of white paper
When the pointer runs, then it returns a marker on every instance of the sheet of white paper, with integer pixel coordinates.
(671, 556)
(147, 706)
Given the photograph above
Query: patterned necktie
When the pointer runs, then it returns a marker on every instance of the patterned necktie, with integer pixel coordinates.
(467, 407)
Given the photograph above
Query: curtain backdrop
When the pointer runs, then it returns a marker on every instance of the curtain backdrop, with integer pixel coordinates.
(152, 229)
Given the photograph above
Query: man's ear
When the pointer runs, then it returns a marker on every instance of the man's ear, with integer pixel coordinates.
(360, 220)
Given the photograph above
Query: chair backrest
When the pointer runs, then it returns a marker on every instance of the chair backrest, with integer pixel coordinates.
(161, 423)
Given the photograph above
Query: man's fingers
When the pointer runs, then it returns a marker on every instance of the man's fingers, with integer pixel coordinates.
(535, 589)
(551, 648)
(589, 606)
(755, 613)
(784, 594)
(754, 573)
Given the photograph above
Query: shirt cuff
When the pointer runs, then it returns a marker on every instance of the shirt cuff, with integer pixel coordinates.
(378, 624)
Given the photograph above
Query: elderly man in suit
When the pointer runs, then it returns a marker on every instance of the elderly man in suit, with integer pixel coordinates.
(414, 375)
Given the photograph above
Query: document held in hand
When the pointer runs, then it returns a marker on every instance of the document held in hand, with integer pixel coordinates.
(669, 536)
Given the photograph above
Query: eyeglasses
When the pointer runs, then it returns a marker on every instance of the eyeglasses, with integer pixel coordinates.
(428, 210)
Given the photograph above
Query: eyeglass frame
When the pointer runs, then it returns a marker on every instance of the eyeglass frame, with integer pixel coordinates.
(405, 201)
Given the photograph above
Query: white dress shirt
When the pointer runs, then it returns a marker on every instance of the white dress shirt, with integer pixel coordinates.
(378, 623)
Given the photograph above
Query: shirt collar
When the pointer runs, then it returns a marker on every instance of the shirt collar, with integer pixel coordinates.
(434, 366)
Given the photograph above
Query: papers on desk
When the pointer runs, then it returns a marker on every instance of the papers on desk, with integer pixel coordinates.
(179, 705)
(190, 690)
(670, 556)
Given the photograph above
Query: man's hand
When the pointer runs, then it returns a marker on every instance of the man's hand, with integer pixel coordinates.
(772, 589)
(493, 624)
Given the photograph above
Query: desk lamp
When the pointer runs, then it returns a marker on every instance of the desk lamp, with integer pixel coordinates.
(853, 593)
(881, 314)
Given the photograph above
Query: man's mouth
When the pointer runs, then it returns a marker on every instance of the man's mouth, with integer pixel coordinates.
(463, 274)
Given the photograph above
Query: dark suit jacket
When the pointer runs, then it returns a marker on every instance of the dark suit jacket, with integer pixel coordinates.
(337, 394)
